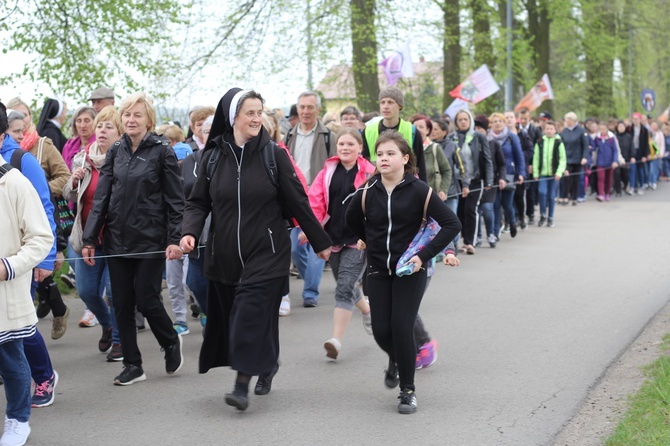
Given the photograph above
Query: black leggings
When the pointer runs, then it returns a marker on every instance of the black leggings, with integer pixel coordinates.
(571, 184)
(394, 304)
(468, 211)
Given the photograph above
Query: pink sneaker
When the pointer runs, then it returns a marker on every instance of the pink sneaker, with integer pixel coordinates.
(607, 197)
(427, 355)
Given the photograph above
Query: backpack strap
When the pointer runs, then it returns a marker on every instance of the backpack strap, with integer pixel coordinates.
(40, 149)
(326, 138)
(17, 156)
(4, 169)
(213, 162)
(365, 192)
(425, 205)
(269, 154)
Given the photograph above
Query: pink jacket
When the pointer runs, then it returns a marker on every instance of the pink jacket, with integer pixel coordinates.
(318, 191)
(72, 147)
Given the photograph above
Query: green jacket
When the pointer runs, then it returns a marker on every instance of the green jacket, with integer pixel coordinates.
(549, 157)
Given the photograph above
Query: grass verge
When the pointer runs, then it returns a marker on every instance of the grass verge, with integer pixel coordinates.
(647, 422)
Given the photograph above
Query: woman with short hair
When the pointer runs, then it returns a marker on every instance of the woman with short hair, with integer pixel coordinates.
(139, 201)
(82, 131)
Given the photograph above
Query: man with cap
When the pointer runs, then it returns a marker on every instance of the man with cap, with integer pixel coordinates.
(391, 102)
(101, 98)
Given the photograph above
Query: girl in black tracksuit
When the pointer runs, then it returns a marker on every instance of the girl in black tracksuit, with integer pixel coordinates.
(394, 202)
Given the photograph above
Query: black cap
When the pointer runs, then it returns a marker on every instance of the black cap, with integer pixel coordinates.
(546, 116)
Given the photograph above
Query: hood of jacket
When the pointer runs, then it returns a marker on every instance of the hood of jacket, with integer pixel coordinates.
(8, 147)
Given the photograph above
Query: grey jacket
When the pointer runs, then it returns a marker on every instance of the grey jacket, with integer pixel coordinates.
(319, 152)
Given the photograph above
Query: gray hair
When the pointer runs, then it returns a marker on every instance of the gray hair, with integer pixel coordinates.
(311, 93)
(351, 110)
(571, 115)
(80, 111)
(15, 116)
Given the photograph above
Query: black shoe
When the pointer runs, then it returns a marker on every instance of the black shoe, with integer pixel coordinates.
(116, 354)
(541, 222)
(237, 399)
(195, 311)
(512, 230)
(173, 357)
(531, 221)
(523, 225)
(43, 309)
(407, 404)
(550, 223)
(69, 279)
(391, 376)
(2, 381)
(130, 375)
(105, 342)
(264, 384)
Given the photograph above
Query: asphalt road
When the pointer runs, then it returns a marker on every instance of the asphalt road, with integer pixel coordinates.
(525, 330)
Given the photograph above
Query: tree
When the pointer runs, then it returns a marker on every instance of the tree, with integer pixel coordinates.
(364, 53)
(77, 45)
(451, 48)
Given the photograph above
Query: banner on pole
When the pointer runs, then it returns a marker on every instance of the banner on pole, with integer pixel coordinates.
(455, 107)
(398, 64)
(476, 87)
(541, 92)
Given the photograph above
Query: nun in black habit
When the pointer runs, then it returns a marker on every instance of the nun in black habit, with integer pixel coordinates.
(248, 251)
(51, 120)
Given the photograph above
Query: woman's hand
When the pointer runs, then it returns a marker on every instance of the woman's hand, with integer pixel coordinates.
(324, 255)
(451, 260)
(40, 274)
(520, 182)
(502, 184)
(187, 244)
(416, 261)
(632, 161)
(615, 165)
(88, 254)
(174, 252)
(60, 259)
(442, 195)
(466, 191)
(77, 176)
(360, 245)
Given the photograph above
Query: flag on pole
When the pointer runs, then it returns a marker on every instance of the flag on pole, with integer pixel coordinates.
(476, 87)
(541, 92)
(664, 117)
(455, 107)
(398, 64)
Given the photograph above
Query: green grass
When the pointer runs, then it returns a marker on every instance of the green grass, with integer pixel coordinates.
(647, 422)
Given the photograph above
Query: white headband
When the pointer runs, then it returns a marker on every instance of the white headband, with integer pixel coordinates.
(60, 108)
(233, 105)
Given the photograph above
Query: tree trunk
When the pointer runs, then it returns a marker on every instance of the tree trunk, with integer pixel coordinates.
(451, 49)
(364, 43)
(599, 48)
(538, 27)
(483, 48)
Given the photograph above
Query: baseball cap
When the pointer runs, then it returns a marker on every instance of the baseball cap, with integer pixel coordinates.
(546, 116)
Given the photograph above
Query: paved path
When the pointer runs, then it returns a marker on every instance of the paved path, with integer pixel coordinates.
(525, 330)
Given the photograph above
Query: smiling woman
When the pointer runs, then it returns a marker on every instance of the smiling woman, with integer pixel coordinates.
(82, 133)
(248, 250)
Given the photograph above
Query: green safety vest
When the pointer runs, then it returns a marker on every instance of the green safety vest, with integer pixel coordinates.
(372, 133)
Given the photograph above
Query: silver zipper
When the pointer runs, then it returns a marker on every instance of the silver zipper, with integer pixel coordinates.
(272, 241)
(388, 234)
(239, 204)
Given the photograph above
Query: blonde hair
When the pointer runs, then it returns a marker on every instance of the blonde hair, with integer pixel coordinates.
(17, 101)
(497, 115)
(140, 98)
(110, 114)
(200, 114)
(571, 115)
(172, 132)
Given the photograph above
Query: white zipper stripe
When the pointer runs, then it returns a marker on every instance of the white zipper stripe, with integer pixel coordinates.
(388, 235)
(239, 204)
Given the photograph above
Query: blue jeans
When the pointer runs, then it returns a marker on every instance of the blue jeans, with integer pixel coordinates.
(452, 203)
(309, 265)
(15, 371)
(640, 175)
(547, 192)
(582, 186)
(654, 171)
(486, 211)
(92, 282)
(666, 166)
(196, 281)
(504, 201)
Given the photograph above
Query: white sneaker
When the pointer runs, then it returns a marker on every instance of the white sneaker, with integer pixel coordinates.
(88, 319)
(332, 347)
(285, 307)
(16, 433)
(367, 322)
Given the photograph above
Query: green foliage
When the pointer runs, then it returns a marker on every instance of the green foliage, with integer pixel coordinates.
(77, 45)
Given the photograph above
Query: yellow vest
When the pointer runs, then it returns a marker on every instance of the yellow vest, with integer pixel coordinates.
(372, 134)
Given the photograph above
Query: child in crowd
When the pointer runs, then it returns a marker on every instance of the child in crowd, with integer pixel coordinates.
(548, 164)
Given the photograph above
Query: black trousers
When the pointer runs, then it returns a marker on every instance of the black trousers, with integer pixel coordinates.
(532, 198)
(520, 201)
(394, 305)
(571, 183)
(468, 211)
(137, 283)
(620, 178)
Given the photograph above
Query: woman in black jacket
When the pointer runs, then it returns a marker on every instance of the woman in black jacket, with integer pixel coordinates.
(51, 120)
(139, 200)
(248, 250)
(621, 173)
(474, 169)
(394, 207)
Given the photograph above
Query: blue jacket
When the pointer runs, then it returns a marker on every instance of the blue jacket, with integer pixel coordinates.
(607, 152)
(32, 170)
(514, 159)
(576, 142)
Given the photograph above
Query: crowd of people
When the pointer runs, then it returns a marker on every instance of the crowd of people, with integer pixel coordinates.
(221, 213)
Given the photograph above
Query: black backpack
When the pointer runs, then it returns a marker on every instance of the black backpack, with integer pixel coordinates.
(4, 169)
(269, 154)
